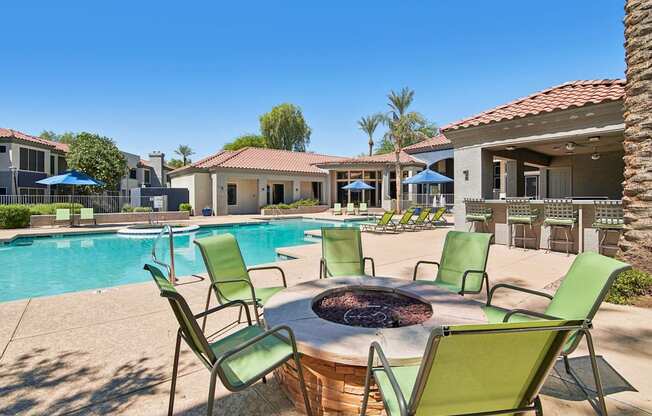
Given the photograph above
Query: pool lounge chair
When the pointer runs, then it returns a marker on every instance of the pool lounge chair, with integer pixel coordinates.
(337, 209)
(474, 370)
(238, 359)
(62, 215)
(404, 223)
(362, 209)
(579, 296)
(421, 221)
(437, 218)
(87, 214)
(350, 208)
(463, 263)
(341, 253)
(383, 224)
(230, 277)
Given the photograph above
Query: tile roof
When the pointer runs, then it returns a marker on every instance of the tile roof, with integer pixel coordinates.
(263, 159)
(384, 158)
(561, 97)
(438, 142)
(13, 134)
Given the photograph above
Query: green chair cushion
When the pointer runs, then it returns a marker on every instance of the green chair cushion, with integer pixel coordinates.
(342, 250)
(463, 251)
(609, 224)
(522, 219)
(559, 221)
(406, 378)
(478, 217)
(495, 315)
(244, 293)
(245, 365)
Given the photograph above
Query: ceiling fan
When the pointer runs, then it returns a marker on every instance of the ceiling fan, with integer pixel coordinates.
(570, 147)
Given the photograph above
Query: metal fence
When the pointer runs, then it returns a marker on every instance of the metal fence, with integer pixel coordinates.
(100, 203)
(428, 200)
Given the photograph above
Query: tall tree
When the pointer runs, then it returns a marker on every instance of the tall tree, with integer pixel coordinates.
(404, 128)
(175, 163)
(66, 137)
(185, 152)
(368, 125)
(98, 157)
(246, 140)
(636, 242)
(285, 128)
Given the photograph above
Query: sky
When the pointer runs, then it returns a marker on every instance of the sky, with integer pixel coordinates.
(155, 74)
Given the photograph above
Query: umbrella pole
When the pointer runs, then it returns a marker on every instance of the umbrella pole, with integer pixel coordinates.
(72, 208)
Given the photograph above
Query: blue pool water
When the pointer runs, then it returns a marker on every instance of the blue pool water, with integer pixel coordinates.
(31, 267)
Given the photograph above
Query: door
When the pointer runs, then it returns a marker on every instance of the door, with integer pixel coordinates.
(532, 186)
(559, 183)
(278, 193)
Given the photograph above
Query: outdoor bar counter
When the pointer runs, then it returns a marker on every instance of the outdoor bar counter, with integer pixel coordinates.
(585, 237)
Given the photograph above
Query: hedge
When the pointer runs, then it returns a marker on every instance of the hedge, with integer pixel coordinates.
(185, 207)
(14, 216)
(50, 209)
(310, 202)
(142, 209)
(629, 285)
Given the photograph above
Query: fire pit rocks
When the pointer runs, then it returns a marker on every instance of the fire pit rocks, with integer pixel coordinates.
(335, 320)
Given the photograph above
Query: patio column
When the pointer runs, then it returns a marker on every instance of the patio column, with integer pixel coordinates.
(262, 191)
(543, 183)
(411, 188)
(386, 201)
(473, 178)
(218, 181)
(514, 178)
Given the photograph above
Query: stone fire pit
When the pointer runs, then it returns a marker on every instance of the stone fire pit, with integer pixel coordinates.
(336, 319)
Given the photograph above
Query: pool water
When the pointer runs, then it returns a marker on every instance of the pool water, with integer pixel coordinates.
(33, 267)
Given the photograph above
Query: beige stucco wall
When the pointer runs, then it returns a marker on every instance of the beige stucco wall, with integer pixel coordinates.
(306, 190)
(603, 177)
(246, 196)
(199, 189)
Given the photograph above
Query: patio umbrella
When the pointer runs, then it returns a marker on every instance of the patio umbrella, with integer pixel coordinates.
(72, 178)
(358, 186)
(427, 177)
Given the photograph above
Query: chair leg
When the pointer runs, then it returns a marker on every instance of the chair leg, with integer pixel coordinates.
(302, 384)
(550, 237)
(604, 236)
(568, 240)
(596, 373)
(208, 304)
(510, 229)
(538, 409)
(211, 392)
(175, 367)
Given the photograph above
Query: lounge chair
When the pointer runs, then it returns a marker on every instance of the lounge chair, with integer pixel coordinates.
(362, 209)
(421, 220)
(404, 222)
(437, 218)
(578, 297)
(475, 370)
(350, 208)
(463, 263)
(341, 253)
(337, 209)
(230, 277)
(383, 224)
(62, 214)
(238, 359)
(87, 214)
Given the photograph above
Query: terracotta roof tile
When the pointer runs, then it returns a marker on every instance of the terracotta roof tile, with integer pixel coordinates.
(384, 158)
(561, 97)
(9, 133)
(433, 143)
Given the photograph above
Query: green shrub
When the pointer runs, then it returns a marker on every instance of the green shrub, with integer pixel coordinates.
(14, 216)
(142, 209)
(127, 208)
(310, 202)
(50, 209)
(628, 286)
(185, 207)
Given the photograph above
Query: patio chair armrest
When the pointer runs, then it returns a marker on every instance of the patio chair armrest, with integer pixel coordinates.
(420, 262)
(376, 348)
(224, 306)
(517, 288)
(323, 270)
(529, 313)
(373, 265)
(465, 275)
(250, 269)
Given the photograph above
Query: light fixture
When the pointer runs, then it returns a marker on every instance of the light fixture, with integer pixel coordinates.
(595, 156)
(570, 146)
(510, 148)
(594, 139)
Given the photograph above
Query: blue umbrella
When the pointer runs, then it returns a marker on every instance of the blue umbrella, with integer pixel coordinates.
(73, 178)
(427, 177)
(358, 186)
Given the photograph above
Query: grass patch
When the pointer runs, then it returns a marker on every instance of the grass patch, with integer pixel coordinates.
(630, 285)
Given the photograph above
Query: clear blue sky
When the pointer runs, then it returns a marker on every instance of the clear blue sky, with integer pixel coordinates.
(153, 75)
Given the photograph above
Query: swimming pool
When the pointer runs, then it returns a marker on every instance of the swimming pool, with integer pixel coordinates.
(39, 266)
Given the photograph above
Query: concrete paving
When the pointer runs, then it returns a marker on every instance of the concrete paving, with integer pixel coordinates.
(111, 352)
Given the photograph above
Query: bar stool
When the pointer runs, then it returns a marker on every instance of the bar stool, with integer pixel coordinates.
(559, 214)
(477, 212)
(520, 212)
(608, 219)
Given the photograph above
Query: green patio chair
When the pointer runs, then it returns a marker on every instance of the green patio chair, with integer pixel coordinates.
(477, 212)
(608, 219)
(230, 277)
(463, 263)
(341, 253)
(437, 218)
(404, 222)
(560, 214)
(384, 223)
(350, 208)
(474, 370)
(520, 212)
(238, 359)
(87, 214)
(421, 221)
(62, 215)
(579, 296)
(362, 209)
(337, 209)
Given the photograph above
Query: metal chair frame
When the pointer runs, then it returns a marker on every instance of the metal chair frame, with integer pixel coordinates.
(520, 207)
(606, 213)
(477, 206)
(560, 209)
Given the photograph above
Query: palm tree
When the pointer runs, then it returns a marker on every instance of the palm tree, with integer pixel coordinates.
(185, 152)
(368, 125)
(404, 128)
(636, 242)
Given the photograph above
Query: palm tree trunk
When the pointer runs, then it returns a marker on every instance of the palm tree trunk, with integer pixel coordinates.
(636, 242)
(397, 168)
(371, 146)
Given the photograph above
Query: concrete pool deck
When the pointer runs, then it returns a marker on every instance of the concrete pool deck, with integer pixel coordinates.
(110, 351)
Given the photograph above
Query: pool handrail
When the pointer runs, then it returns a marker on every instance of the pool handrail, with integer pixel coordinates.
(170, 267)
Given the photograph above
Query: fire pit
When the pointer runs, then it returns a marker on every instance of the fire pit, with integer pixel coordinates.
(371, 308)
(335, 320)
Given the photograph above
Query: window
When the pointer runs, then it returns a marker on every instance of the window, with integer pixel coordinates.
(3, 191)
(496, 175)
(51, 164)
(3, 149)
(232, 194)
(32, 160)
(146, 178)
(32, 191)
(342, 175)
(132, 173)
(62, 165)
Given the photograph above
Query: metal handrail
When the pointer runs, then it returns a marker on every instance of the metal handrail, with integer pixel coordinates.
(170, 267)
